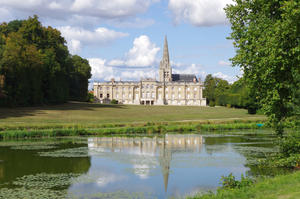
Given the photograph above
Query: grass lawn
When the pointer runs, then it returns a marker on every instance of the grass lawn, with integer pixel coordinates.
(91, 114)
(279, 187)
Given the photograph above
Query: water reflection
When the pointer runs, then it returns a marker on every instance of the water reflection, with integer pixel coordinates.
(142, 146)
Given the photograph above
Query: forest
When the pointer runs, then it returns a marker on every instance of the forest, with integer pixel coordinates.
(36, 66)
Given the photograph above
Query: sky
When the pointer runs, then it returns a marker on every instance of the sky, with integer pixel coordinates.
(123, 39)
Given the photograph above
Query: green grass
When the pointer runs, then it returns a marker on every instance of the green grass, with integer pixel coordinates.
(97, 116)
(279, 187)
(25, 133)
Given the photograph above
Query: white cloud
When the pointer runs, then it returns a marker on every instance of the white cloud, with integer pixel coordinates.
(77, 36)
(100, 71)
(138, 74)
(142, 54)
(103, 9)
(199, 12)
(229, 78)
(196, 69)
(224, 63)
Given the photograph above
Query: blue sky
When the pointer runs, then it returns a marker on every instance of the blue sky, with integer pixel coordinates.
(124, 38)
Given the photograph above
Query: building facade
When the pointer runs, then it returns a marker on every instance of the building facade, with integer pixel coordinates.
(171, 89)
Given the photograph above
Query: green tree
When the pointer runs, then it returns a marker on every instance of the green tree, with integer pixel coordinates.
(266, 35)
(214, 87)
(81, 73)
(36, 67)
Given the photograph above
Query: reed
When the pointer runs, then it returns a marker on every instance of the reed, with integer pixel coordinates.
(146, 129)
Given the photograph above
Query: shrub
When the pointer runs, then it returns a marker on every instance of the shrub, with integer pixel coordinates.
(229, 182)
(113, 101)
(211, 103)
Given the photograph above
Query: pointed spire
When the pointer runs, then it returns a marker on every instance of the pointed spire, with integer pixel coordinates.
(166, 51)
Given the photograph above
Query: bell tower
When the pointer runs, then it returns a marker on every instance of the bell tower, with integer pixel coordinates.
(165, 70)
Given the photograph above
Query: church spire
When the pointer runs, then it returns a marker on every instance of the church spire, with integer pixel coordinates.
(166, 52)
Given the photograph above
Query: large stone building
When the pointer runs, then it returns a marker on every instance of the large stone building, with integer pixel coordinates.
(171, 89)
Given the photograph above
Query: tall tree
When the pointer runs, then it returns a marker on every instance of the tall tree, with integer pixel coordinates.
(81, 72)
(36, 67)
(266, 36)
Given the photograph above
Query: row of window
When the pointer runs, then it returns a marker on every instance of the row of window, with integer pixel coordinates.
(147, 86)
(148, 95)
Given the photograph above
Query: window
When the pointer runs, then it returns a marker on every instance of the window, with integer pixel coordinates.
(159, 96)
(123, 96)
(117, 96)
(195, 89)
(117, 88)
(151, 86)
(188, 96)
(136, 96)
(100, 88)
(129, 96)
(173, 96)
(188, 88)
(179, 89)
(101, 95)
(167, 89)
(107, 88)
(148, 95)
(179, 96)
(122, 88)
(172, 88)
(153, 95)
(167, 95)
(194, 96)
(143, 94)
(107, 95)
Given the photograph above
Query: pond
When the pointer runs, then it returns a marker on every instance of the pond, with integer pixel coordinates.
(161, 166)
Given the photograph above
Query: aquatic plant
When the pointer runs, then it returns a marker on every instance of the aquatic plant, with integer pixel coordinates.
(70, 152)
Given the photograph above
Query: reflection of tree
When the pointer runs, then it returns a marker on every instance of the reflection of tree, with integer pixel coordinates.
(17, 163)
(1, 171)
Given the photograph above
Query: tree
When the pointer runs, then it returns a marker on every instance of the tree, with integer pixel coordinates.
(213, 88)
(80, 74)
(36, 67)
(266, 35)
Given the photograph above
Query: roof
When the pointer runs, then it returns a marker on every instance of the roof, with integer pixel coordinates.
(183, 77)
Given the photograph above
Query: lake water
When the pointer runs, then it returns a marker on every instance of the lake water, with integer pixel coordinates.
(171, 165)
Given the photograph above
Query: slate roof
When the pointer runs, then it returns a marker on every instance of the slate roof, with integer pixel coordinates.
(183, 77)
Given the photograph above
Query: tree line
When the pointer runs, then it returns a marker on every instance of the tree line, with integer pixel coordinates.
(36, 66)
(219, 92)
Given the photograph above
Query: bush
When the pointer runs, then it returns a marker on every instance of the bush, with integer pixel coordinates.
(113, 101)
(289, 152)
(229, 182)
(211, 103)
(252, 110)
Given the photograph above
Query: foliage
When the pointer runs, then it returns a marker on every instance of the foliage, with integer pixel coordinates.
(219, 92)
(229, 182)
(113, 101)
(90, 97)
(282, 186)
(289, 152)
(266, 36)
(37, 67)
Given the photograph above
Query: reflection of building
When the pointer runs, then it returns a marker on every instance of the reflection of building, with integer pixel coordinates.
(171, 89)
(1, 171)
(163, 147)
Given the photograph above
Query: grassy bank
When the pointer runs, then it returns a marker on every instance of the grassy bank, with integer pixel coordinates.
(96, 119)
(280, 187)
(147, 129)
(99, 116)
